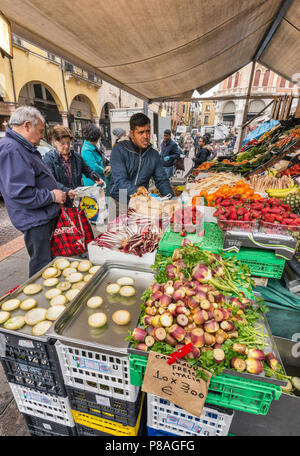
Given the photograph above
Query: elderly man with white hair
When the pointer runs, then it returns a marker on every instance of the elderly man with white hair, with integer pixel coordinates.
(29, 190)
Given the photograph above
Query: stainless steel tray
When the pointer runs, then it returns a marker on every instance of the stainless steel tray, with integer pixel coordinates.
(26, 330)
(72, 326)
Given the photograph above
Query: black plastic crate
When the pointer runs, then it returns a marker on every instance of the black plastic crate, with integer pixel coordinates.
(41, 427)
(32, 363)
(117, 410)
(22, 348)
(33, 377)
(85, 431)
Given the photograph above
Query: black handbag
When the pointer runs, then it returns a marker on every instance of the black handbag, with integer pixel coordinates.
(180, 164)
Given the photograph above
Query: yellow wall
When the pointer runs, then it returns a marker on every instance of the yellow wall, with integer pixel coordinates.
(210, 113)
(32, 65)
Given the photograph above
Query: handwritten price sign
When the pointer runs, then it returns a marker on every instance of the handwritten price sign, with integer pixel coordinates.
(177, 383)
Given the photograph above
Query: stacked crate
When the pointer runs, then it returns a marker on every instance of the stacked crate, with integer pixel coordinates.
(102, 400)
(32, 370)
(165, 418)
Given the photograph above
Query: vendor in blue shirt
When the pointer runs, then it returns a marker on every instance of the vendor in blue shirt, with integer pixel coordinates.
(169, 152)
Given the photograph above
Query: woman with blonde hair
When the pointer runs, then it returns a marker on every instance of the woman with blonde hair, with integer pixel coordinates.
(66, 165)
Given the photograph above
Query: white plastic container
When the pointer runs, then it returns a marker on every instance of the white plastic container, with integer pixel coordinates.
(166, 416)
(99, 255)
(108, 375)
(43, 405)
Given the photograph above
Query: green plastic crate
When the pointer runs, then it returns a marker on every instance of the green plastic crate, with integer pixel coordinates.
(237, 393)
(262, 263)
(212, 240)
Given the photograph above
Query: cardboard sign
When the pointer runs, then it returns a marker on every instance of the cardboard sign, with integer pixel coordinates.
(176, 382)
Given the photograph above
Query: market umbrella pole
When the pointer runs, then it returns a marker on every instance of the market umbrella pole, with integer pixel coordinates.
(246, 105)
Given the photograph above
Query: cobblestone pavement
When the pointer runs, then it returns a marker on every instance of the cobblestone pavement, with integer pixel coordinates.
(7, 231)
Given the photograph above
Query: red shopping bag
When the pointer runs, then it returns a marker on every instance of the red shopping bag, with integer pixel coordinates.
(72, 233)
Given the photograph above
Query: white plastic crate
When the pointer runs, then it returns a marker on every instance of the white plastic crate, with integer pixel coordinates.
(99, 255)
(166, 416)
(100, 373)
(43, 405)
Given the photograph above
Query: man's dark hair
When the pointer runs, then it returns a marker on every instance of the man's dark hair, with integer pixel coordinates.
(92, 132)
(138, 120)
(167, 132)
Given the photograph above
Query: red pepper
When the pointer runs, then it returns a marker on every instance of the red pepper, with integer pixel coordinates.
(288, 221)
(233, 214)
(275, 210)
(269, 218)
(226, 203)
(278, 218)
(241, 211)
(219, 200)
(257, 206)
(255, 214)
(247, 217)
(265, 210)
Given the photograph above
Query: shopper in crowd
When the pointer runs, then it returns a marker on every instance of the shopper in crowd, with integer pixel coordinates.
(31, 194)
(93, 155)
(196, 140)
(203, 151)
(134, 162)
(181, 141)
(120, 134)
(188, 146)
(169, 152)
(211, 146)
(67, 166)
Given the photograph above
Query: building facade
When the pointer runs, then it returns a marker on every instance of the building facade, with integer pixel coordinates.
(65, 94)
(230, 112)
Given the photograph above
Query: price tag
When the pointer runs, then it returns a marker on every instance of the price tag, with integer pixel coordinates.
(176, 382)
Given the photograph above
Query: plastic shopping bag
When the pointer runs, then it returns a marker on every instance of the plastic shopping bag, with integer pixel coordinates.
(92, 200)
(72, 234)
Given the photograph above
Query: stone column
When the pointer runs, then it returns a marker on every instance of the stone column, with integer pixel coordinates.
(64, 118)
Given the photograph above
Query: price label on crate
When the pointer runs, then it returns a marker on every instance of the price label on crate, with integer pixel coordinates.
(177, 383)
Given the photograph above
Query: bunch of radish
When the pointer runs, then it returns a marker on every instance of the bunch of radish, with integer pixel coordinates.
(191, 310)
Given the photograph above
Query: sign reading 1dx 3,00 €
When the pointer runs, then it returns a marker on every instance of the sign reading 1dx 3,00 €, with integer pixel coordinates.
(176, 382)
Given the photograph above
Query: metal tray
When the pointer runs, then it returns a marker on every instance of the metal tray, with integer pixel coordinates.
(72, 325)
(26, 330)
(258, 377)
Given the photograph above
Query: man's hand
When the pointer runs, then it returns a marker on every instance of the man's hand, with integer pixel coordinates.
(99, 182)
(60, 196)
(71, 194)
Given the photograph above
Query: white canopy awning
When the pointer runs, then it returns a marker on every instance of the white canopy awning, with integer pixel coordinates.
(163, 49)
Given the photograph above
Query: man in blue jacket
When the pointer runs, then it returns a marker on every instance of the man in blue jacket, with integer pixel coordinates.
(169, 153)
(29, 190)
(133, 162)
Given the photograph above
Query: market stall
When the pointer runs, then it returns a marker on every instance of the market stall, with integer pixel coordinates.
(207, 282)
(209, 279)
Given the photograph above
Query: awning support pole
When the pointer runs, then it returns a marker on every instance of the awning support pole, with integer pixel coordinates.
(257, 115)
(246, 104)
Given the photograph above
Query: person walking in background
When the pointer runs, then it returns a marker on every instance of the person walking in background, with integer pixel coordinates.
(94, 156)
(188, 147)
(67, 166)
(120, 134)
(169, 152)
(196, 140)
(211, 146)
(181, 141)
(31, 194)
(203, 151)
